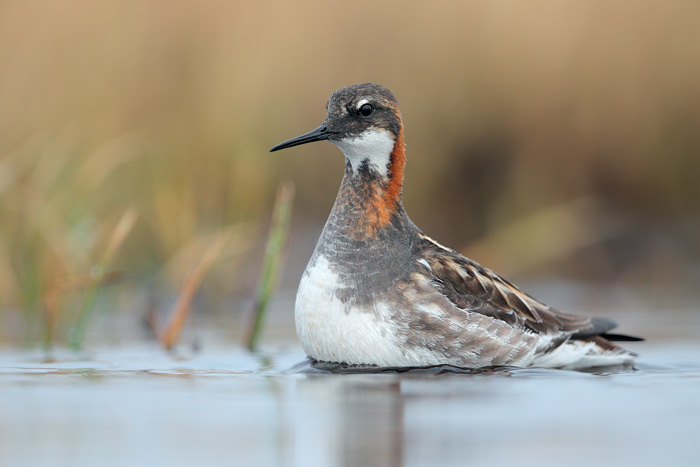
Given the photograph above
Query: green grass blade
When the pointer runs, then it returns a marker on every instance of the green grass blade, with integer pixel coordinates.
(272, 263)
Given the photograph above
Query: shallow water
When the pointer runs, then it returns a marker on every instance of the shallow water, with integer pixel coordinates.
(129, 403)
(140, 406)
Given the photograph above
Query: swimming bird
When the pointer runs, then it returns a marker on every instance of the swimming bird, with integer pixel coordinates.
(378, 291)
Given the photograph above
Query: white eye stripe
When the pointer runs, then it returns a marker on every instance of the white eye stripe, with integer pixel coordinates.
(361, 103)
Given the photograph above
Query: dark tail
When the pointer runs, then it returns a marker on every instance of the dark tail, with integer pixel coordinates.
(600, 327)
(621, 337)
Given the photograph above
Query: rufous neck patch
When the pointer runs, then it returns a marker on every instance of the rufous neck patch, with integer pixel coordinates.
(392, 195)
(385, 194)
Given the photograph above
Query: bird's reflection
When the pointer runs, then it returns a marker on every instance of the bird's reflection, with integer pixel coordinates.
(378, 416)
(349, 420)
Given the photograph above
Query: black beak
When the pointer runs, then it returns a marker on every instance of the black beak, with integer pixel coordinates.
(319, 134)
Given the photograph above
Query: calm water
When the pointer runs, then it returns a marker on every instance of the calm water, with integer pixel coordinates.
(135, 405)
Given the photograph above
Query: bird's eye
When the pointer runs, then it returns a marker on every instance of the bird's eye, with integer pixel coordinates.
(365, 110)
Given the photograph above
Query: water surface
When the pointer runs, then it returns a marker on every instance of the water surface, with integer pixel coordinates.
(130, 403)
(140, 406)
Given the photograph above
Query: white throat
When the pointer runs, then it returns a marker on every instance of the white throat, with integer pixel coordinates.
(373, 146)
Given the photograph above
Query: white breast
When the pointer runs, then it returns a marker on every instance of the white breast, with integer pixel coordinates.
(330, 330)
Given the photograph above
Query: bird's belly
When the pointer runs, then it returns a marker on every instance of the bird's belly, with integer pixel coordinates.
(335, 331)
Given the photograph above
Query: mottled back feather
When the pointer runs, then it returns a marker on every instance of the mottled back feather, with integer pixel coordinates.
(472, 287)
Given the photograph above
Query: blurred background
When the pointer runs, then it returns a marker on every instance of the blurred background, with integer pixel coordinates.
(548, 140)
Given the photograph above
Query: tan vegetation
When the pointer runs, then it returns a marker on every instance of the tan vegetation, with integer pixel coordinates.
(165, 111)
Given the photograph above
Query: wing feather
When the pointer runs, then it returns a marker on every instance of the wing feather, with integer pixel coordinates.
(472, 287)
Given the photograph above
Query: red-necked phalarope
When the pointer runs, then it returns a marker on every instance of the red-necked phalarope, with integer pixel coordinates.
(377, 291)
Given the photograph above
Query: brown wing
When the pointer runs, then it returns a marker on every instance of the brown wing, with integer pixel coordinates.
(472, 287)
